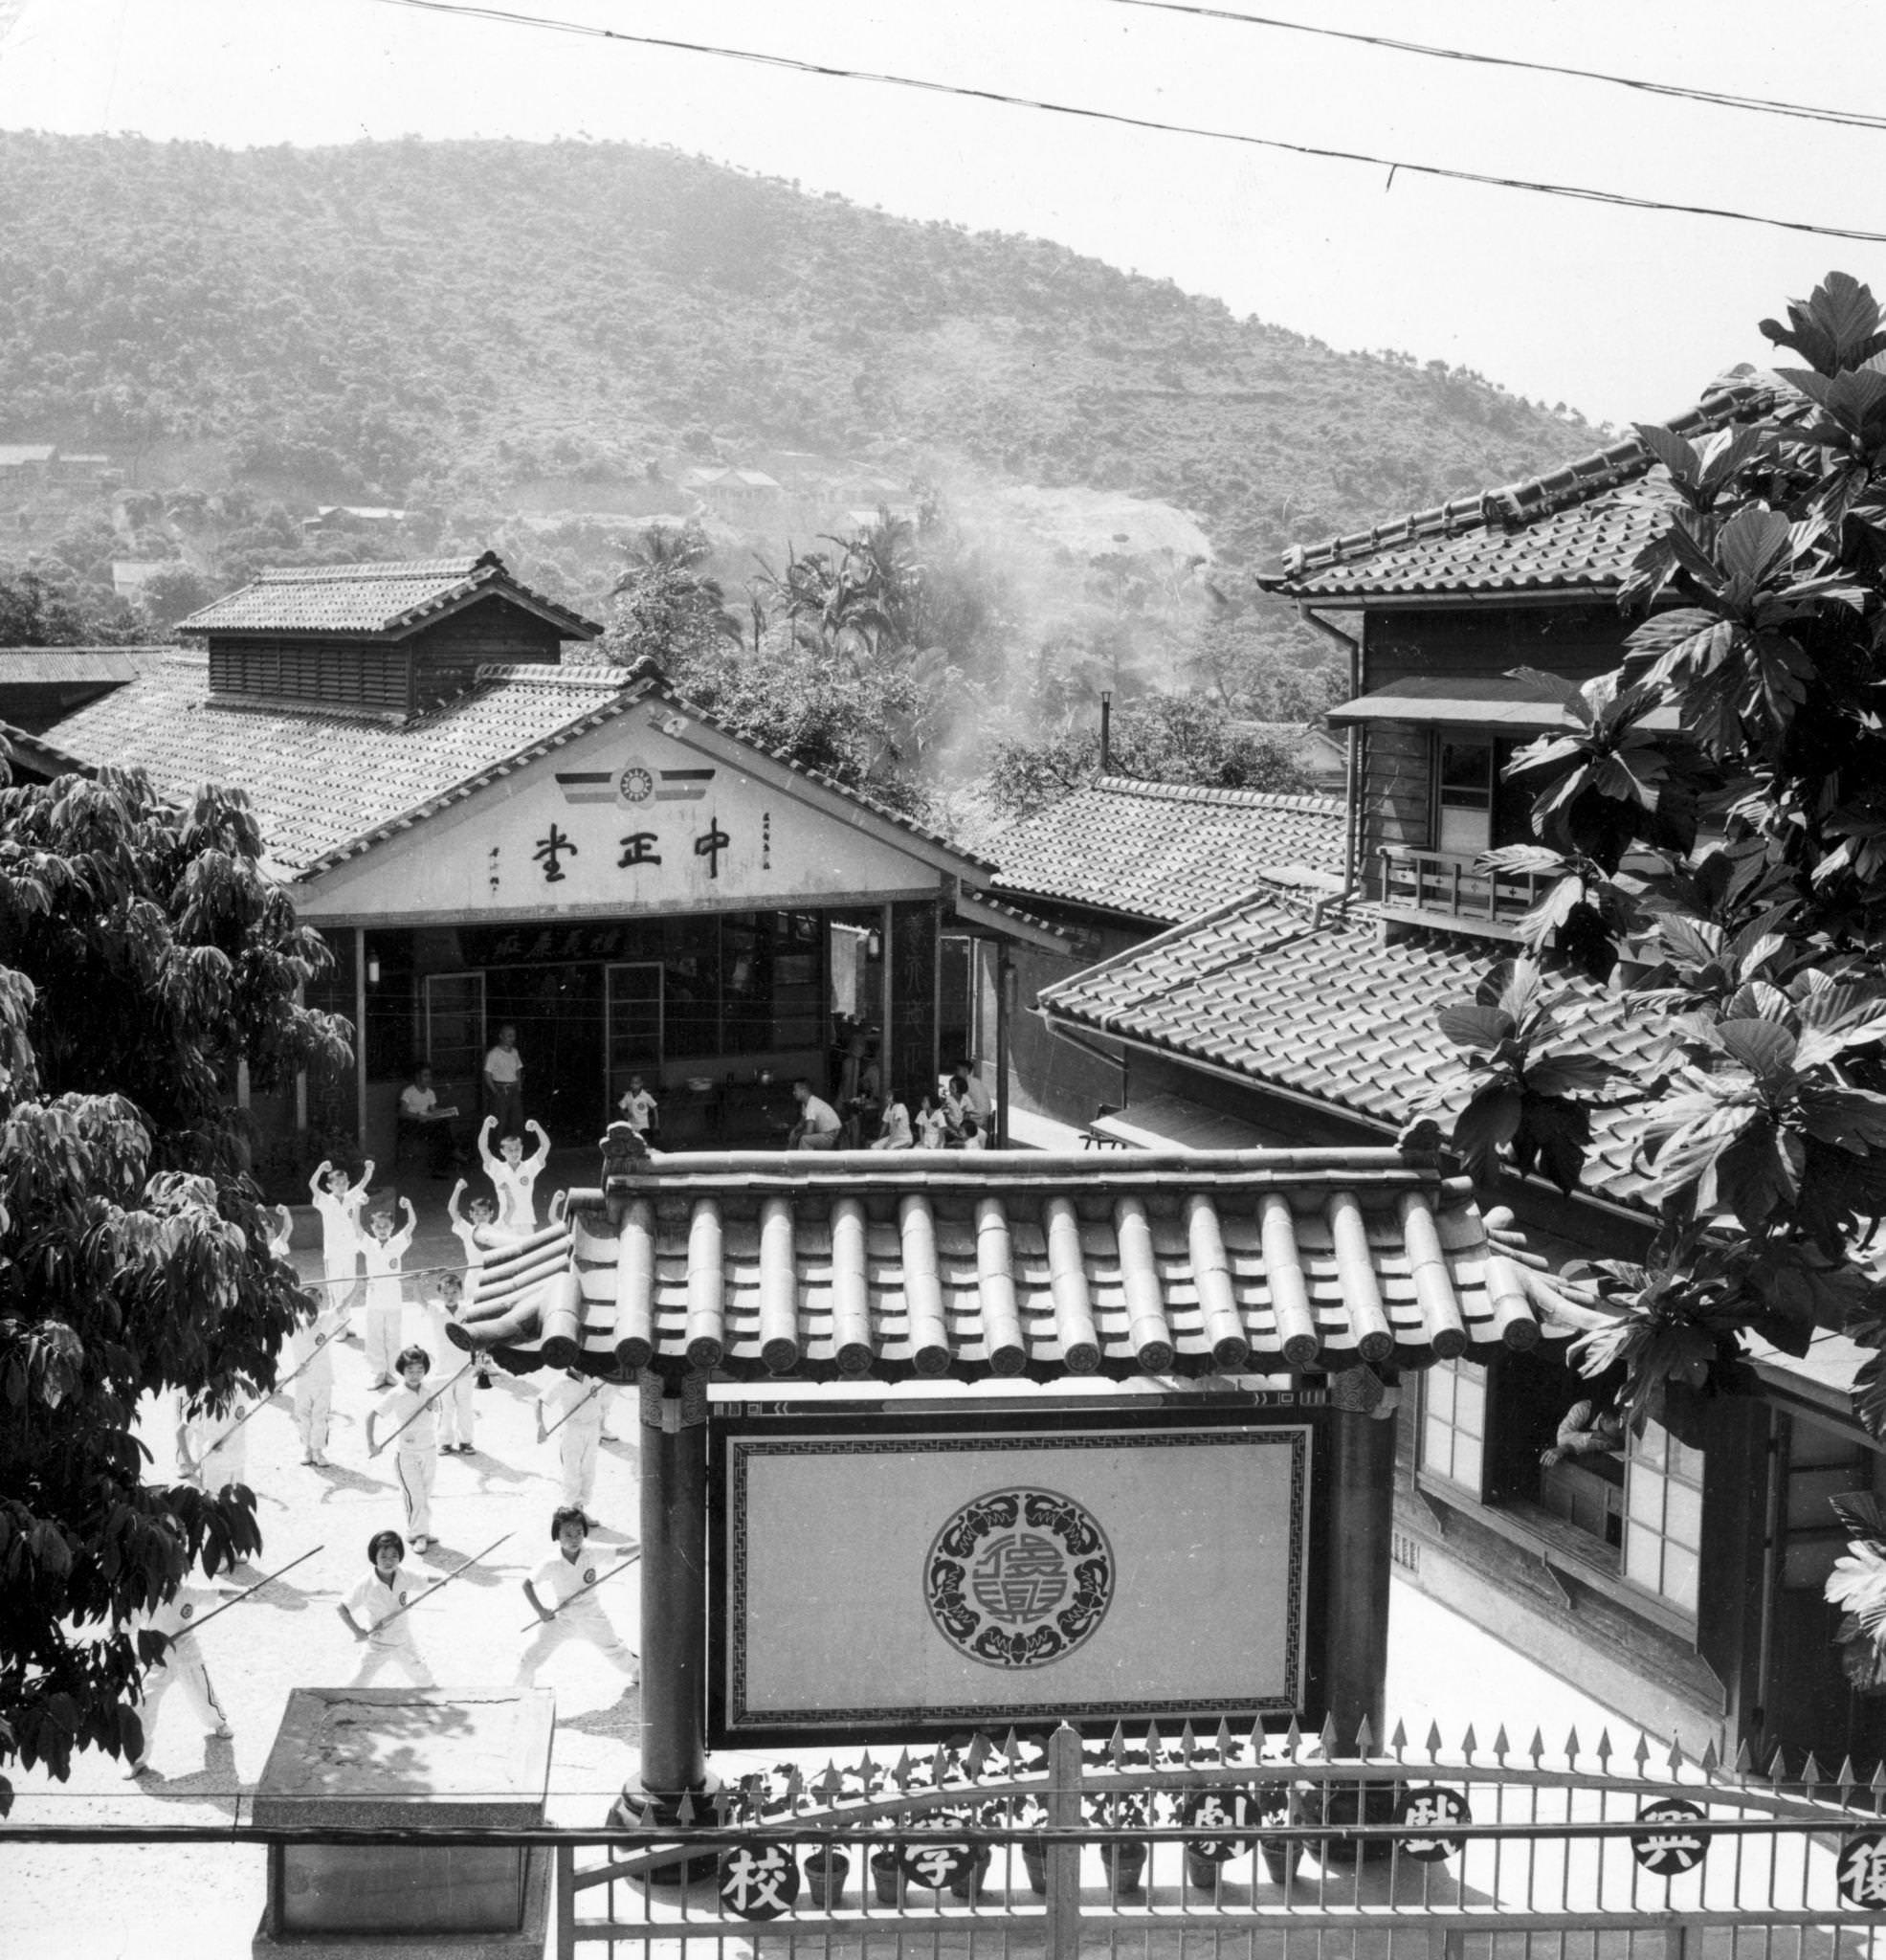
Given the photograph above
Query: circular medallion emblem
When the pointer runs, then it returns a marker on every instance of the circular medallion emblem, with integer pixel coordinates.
(185, 1612)
(1019, 1578)
(635, 785)
(588, 1575)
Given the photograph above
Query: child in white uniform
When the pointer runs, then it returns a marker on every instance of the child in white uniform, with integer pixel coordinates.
(552, 1590)
(514, 1175)
(310, 1357)
(182, 1665)
(455, 1406)
(574, 1407)
(213, 1450)
(383, 1250)
(416, 1461)
(480, 1235)
(375, 1612)
(339, 1204)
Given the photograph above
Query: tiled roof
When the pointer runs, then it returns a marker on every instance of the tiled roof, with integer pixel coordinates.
(39, 755)
(1576, 529)
(327, 785)
(1329, 1012)
(1164, 851)
(322, 781)
(932, 1263)
(384, 601)
(59, 666)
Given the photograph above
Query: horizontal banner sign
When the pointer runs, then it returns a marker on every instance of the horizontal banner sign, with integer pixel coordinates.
(971, 1576)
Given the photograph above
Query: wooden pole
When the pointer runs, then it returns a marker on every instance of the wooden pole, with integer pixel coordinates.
(1004, 972)
(360, 1034)
(1360, 1514)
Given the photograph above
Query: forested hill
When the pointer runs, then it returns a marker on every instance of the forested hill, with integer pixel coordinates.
(422, 321)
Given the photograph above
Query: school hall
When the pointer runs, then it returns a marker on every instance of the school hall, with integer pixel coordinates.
(488, 827)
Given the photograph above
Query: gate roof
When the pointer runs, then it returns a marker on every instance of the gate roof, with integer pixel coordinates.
(944, 1264)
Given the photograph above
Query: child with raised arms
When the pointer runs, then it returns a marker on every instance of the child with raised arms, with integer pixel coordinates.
(384, 1249)
(339, 1204)
(514, 1175)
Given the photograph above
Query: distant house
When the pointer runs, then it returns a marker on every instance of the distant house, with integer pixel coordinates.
(1314, 751)
(130, 576)
(26, 462)
(94, 470)
(734, 494)
(353, 516)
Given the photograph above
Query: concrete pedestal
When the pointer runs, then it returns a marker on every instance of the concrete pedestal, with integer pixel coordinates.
(390, 1757)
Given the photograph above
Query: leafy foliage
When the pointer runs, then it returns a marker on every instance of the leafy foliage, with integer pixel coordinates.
(1728, 875)
(143, 954)
(1168, 738)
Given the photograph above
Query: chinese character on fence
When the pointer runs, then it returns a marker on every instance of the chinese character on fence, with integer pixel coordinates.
(758, 1881)
(1862, 1870)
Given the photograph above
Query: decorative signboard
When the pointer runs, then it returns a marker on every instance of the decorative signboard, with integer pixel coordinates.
(921, 1573)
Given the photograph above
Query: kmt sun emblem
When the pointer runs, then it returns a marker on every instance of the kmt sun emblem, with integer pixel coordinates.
(1019, 1578)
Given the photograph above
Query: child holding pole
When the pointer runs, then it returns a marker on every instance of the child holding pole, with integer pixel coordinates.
(338, 1203)
(553, 1591)
(575, 1406)
(407, 1417)
(310, 1357)
(375, 1613)
(455, 1405)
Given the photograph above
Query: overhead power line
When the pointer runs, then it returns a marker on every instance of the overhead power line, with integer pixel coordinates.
(1764, 106)
(830, 72)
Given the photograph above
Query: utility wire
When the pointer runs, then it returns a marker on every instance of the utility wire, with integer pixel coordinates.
(1582, 194)
(1764, 106)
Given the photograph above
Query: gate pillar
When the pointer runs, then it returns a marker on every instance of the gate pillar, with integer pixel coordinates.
(1362, 1498)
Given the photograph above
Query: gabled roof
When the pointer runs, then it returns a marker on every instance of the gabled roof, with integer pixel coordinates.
(37, 756)
(327, 785)
(1575, 530)
(1327, 1012)
(377, 601)
(1166, 850)
(932, 1263)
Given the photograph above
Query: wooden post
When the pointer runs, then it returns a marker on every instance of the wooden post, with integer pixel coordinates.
(1004, 974)
(360, 1034)
(564, 1905)
(1361, 1489)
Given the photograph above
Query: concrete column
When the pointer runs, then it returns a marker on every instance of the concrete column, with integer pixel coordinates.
(1362, 1496)
(674, 1588)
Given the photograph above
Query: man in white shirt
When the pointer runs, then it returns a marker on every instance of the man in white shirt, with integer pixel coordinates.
(818, 1124)
(503, 1082)
(419, 1111)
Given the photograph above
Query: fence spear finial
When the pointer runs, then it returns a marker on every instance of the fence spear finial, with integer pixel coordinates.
(1603, 1751)
(1293, 1738)
(1709, 1762)
(684, 1814)
(1641, 1755)
(1434, 1743)
(1536, 1748)
(1187, 1743)
(1745, 1761)
(1117, 1747)
(980, 1751)
(1398, 1741)
(1778, 1768)
(1811, 1773)
(1223, 1742)
(1011, 1751)
(1327, 1739)
(1154, 1743)
(1847, 1780)
(1571, 1750)
(1468, 1743)
(868, 1772)
(1365, 1737)
(901, 1774)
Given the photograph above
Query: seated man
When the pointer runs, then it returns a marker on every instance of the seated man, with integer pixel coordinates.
(421, 1115)
(818, 1124)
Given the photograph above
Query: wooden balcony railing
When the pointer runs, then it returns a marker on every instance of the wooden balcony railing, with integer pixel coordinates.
(1452, 891)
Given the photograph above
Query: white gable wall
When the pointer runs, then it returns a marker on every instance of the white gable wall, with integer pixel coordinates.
(651, 785)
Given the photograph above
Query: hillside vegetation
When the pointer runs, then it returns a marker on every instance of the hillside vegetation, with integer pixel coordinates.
(431, 323)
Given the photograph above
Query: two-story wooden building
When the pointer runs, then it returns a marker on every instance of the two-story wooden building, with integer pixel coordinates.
(1679, 1584)
(486, 835)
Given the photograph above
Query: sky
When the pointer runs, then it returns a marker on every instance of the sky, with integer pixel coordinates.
(1622, 314)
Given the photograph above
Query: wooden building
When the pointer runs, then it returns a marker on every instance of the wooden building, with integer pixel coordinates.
(485, 834)
(1681, 1585)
